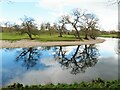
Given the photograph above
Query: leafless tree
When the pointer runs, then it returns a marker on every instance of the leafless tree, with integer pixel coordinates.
(8, 26)
(81, 20)
(42, 26)
(48, 27)
(89, 24)
(74, 20)
(60, 26)
(28, 26)
(17, 28)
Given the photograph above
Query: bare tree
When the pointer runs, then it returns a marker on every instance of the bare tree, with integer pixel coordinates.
(28, 26)
(42, 26)
(62, 27)
(74, 20)
(17, 27)
(8, 26)
(1, 28)
(48, 27)
(89, 24)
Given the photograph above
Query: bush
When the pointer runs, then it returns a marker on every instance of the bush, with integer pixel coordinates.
(98, 83)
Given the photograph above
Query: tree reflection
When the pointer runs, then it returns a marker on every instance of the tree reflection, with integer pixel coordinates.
(84, 57)
(28, 56)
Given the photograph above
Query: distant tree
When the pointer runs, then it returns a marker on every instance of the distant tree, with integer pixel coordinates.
(54, 28)
(8, 26)
(1, 29)
(28, 26)
(94, 33)
(17, 27)
(61, 27)
(48, 27)
(74, 20)
(42, 26)
(89, 24)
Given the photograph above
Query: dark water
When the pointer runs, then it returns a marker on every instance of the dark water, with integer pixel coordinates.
(59, 64)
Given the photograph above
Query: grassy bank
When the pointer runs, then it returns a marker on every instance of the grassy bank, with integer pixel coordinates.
(99, 83)
(45, 37)
(41, 37)
(12, 36)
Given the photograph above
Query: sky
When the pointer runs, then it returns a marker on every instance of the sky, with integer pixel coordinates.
(50, 10)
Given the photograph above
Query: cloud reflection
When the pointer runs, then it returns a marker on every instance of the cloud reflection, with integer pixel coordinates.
(106, 70)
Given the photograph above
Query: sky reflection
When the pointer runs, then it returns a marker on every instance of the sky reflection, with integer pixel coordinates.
(48, 69)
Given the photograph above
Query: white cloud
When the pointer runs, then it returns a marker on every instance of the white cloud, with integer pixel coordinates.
(53, 9)
(57, 4)
(106, 12)
(61, 4)
(108, 19)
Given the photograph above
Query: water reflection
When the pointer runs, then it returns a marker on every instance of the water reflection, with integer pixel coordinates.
(59, 64)
(28, 56)
(84, 57)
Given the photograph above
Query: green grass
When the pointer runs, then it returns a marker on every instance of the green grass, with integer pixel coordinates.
(98, 83)
(44, 37)
(109, 35)
(41, 37)
(13, 36)
(56, 38)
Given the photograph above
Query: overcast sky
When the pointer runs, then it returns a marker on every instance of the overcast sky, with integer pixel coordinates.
(51, 10)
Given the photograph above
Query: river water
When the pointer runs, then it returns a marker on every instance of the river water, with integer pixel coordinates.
(59, 64)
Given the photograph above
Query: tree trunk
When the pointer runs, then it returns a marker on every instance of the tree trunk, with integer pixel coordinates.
(30, 36)
(78, 34)
(29, 33)
(60, 34)
(50, 32)
(86, 36)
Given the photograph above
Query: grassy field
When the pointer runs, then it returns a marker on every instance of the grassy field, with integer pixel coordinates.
(98, 83)
(13, 36)
(56, 38)
(42, 37)
(109, 36)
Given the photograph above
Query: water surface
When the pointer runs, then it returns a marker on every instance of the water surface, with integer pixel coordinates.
(60, 64)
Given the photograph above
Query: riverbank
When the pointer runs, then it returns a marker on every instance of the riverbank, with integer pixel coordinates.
(34, 43)
(99, 83)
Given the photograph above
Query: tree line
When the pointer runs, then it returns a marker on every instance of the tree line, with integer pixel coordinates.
(81, 21)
